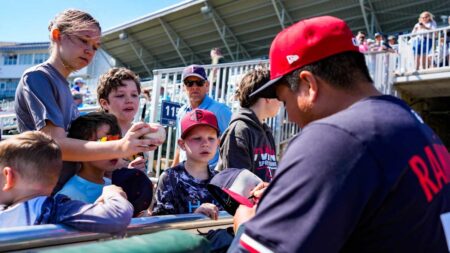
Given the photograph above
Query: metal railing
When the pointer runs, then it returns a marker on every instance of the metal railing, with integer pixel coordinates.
(32, 237)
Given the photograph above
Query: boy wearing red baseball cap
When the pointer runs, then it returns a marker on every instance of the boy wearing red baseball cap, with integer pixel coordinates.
(182, 189)
(366, 174)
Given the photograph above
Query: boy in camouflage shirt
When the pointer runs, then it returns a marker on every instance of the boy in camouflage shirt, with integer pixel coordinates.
(182, 189)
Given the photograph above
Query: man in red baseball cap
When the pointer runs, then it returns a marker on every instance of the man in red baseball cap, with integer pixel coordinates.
(365, 174)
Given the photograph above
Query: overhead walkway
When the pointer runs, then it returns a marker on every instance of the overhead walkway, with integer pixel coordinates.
(424, 74)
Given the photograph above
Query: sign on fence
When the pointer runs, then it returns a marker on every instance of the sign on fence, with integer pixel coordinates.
(169, 111)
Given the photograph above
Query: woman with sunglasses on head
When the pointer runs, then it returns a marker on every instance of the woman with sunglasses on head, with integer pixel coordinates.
(423, 41)
(44, 102)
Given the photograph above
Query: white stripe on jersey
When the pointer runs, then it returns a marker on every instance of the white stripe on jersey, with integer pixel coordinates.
(255, 246)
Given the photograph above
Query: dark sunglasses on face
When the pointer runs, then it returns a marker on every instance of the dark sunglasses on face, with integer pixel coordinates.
(190, 83)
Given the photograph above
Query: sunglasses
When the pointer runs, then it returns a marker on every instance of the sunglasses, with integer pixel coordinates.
(109, 138)
(191, 83)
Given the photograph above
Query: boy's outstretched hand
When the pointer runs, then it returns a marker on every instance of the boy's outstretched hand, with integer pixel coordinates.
(138, 163)
(209, 210)
(110, 190)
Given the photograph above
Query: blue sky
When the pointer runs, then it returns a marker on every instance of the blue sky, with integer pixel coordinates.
(27, 20)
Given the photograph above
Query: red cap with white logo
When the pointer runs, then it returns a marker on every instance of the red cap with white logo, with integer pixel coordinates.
(306, 42)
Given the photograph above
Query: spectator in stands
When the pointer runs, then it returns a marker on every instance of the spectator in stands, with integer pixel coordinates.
(43, 101)
(422, 42)
(118, 93)
(248, 142)
(78, 84)
(448, 33)
(441, 55)
(196, 86)
(393, 43)
(78, 100)
(380, 45)
(365, 168)
(182, 189)
(90, 179)
(370, 44)
(30, 164)
(362, 42)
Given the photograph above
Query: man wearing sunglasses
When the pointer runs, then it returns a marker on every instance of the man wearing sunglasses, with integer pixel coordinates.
(196, 87)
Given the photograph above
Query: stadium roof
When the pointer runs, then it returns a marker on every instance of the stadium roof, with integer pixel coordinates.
(185, 33)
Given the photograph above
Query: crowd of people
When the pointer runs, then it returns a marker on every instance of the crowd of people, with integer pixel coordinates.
(430, 49)
(365, 174)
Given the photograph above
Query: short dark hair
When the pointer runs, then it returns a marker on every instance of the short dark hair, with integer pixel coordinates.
(34, 155)
(341, 70)
(252, 80)
(112, 79)
(84, 127)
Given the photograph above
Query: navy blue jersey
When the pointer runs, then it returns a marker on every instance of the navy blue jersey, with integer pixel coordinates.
(178, 192)
(371, 178)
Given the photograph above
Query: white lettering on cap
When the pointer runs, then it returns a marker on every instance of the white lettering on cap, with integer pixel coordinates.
(292, 58)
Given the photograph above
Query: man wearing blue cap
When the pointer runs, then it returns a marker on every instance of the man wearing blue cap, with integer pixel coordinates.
(196, 86)
(365, 174)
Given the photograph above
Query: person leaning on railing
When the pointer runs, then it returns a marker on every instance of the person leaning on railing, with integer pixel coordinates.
(422, 43)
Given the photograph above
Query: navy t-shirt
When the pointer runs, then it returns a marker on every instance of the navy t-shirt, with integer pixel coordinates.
(371, 178)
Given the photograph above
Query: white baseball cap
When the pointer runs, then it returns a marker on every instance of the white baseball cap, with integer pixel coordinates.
(78, 80)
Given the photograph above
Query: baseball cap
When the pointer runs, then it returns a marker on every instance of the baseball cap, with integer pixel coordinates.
(376, 35)
(79, 80)
(194, 70)
(303, 43)
(198, 117)
(231, 188)
(136, 185)
(391, 37)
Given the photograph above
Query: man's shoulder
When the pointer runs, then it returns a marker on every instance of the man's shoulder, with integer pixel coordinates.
(214, 105)
(368, 112)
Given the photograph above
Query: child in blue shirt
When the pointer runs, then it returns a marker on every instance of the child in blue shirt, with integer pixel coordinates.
(88, 183)
(30, 164)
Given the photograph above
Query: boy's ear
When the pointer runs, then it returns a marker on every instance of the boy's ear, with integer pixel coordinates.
(104, 104)
(10, 178)
(218, 140)
(181, 144)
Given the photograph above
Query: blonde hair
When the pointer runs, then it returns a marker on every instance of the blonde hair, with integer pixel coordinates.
(35, 156)
(429, 14)
(72, 20)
